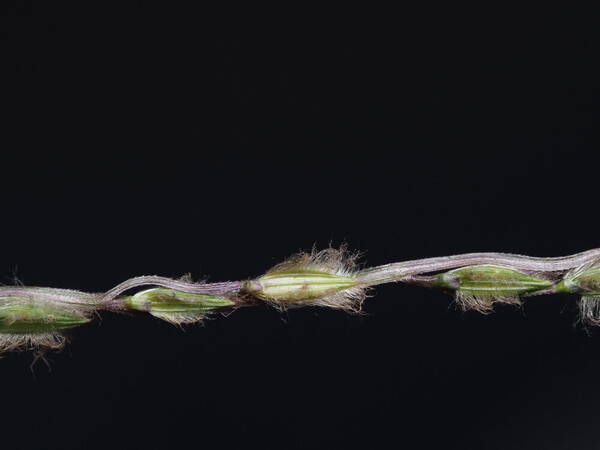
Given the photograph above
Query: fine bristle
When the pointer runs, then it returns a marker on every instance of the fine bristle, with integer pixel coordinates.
(14, 342)
(180, 319)
(336, 261)
(589, 310)
(350, 299)
(483, 303)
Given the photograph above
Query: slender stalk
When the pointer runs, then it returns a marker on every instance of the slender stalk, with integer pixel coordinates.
(396, 271)
(227, 287)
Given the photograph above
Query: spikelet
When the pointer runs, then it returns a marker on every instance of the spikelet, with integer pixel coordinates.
(176, 307)
(480, 287)
(36, 317)
(584, 280)
(324, 278)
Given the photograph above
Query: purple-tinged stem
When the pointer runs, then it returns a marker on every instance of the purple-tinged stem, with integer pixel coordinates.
(227, 287)
(396, 271)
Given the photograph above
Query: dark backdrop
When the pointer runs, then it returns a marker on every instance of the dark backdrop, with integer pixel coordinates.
(139, 141)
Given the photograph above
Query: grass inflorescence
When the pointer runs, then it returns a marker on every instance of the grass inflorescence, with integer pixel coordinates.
(37, 318)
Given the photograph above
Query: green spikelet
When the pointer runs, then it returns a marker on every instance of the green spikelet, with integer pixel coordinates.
(479, 287)
(176, 307)
(36, 317)
(584, 280)
(325, 278)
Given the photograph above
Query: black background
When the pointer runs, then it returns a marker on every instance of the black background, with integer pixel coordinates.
(142, 141)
